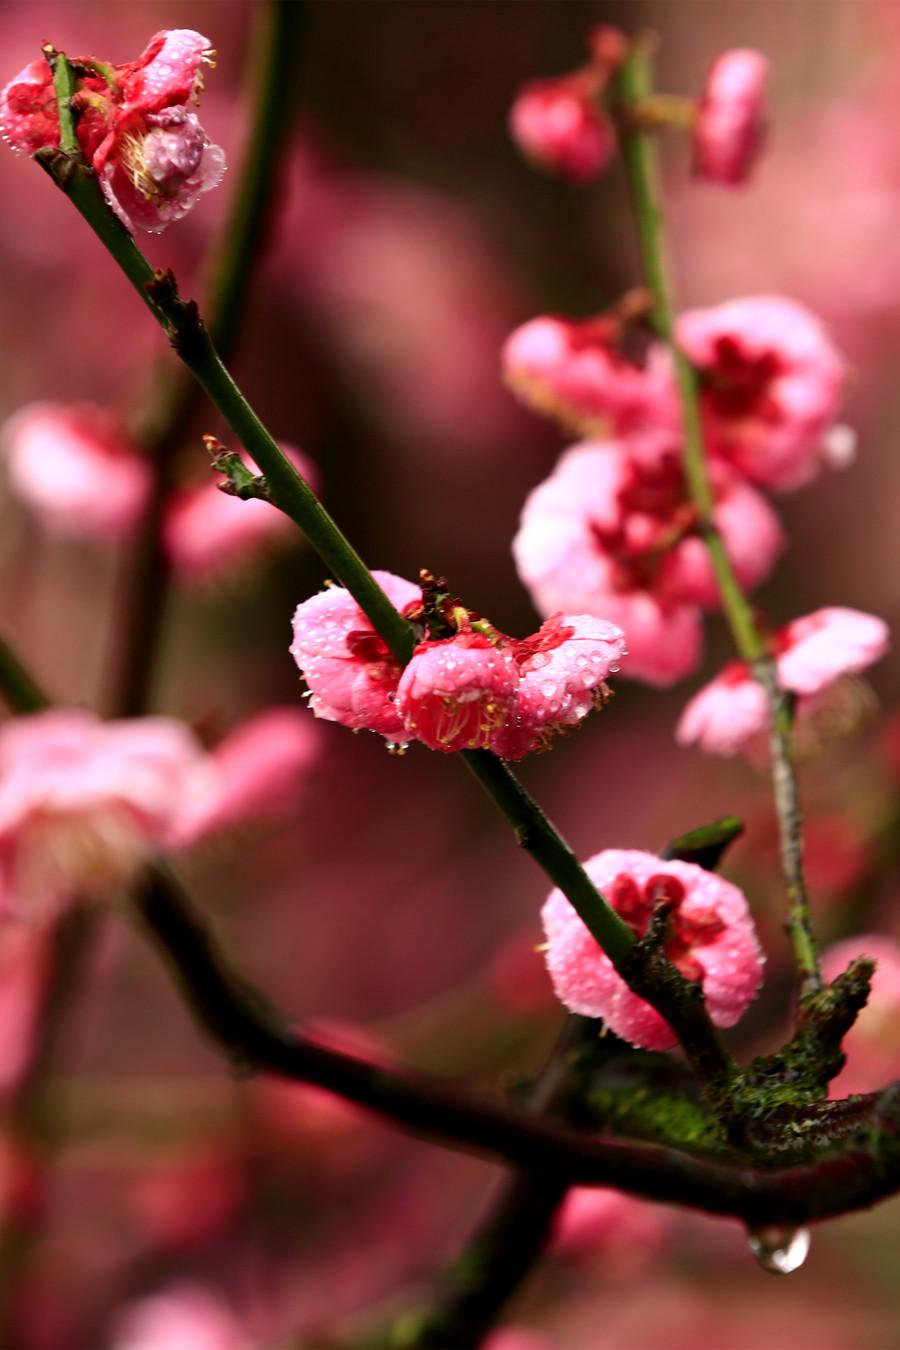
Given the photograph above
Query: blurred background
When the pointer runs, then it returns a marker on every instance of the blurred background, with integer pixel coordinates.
(408, 238)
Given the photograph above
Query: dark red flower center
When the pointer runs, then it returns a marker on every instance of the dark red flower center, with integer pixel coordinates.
(738, 384)
(635, 904)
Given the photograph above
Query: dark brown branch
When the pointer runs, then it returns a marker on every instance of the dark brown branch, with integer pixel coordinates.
(863, 1169)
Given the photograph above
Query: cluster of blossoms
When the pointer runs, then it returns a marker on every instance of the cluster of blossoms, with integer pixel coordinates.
(812, 657)
(561, 124)
(612, 532)
(77, 470)
(84, 803)
(474, 689)
(151, 155)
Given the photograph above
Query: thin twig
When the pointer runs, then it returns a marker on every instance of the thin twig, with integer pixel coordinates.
(642, 168)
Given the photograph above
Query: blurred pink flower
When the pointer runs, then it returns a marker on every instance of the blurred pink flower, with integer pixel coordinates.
(713, 941)
(518, 1338)
(408, 291)
(771, 386)
(254, 773)
(813, 653)
(75, 468)
(350, 673)
(558, 125)
(626, 1233)
(872, 1045)
(575, 372)
(731, 122)
(186, 1200)
(83, 803)
(609, 535)
(185, 1316)
(152, 157)
(209, 534)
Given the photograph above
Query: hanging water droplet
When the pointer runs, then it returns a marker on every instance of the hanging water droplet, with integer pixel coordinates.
(781, 1251)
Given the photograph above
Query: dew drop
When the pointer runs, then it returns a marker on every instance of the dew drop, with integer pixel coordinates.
(780, 1251)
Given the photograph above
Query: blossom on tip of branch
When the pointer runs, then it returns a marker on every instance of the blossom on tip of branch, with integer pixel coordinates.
(210, 534)
(151, 155)
(812, 655)
(74, 466)
(615, 535)
(731, 118)
(712, 940)
(771, 386)
(558, 125)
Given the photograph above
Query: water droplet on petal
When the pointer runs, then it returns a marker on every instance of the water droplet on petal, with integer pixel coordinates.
(780, 1251)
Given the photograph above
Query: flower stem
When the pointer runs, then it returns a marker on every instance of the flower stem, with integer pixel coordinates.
(635, 85)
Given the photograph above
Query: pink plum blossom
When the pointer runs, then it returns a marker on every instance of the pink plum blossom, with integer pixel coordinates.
(627, 1234)
(812, 654)
(151, 155)
(184, 1316)
(509, 695)
(771, 387)
(351, 675)
(558, 125)
(576, 373)
(611, 535)
(209, 533)
(563, 669)
(74, 466)
(730, 124)
(456, 694)
(83, 803)
(713, 941)
(255, 773)
(872, 1045)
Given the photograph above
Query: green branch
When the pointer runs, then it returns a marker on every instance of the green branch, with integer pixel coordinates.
(642, 168)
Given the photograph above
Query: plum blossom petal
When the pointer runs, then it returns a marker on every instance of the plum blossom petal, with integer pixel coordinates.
(872, 1045)
(83, 803)
(772, 384)
(730, 125)
(558, 126)
(813, 654)
(74, 466)
(713, 941)
(351, 675)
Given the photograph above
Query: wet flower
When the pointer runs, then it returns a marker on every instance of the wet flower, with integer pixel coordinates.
(813, 654)
(730, 126)
(771, 387)
(613, 535)
(75, 468)
(712, 940)
(457, 693)
(351, 674)
(150, 153)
